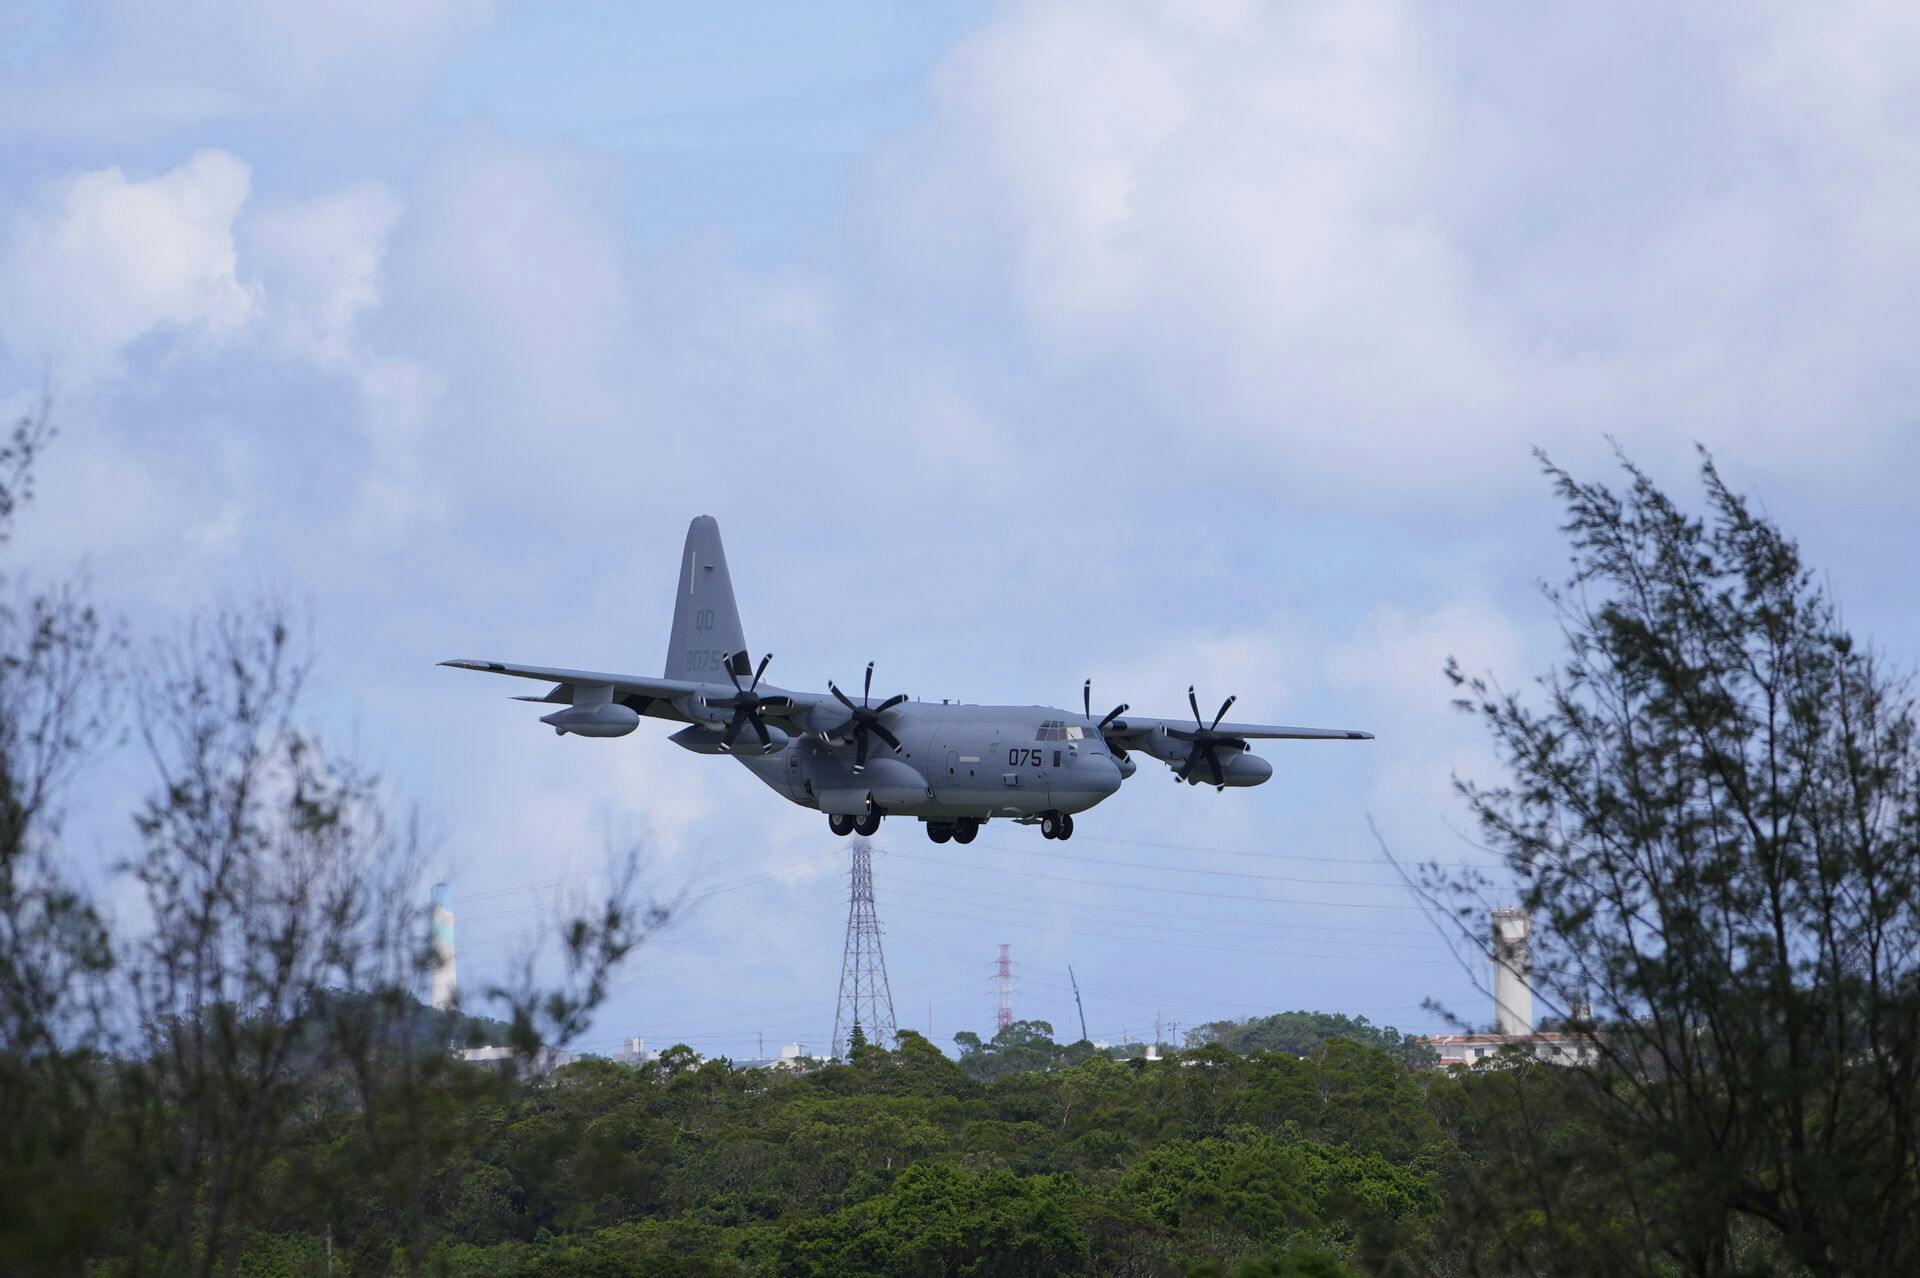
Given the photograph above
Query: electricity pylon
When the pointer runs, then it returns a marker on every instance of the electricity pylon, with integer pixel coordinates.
(866, 999)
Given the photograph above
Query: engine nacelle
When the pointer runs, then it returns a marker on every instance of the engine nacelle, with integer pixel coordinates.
(608, 719)
(1163, 747)
(1237, 767)
(706, 738)
(1246, 769)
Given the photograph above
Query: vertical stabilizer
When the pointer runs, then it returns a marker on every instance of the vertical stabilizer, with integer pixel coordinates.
(706, 622)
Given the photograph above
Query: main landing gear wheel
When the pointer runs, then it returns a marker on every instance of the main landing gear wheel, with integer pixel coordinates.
(1056, 825)
(939, 833)
(840, 825)
(964, 830)
(868, 824)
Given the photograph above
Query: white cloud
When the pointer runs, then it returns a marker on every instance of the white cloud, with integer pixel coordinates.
(102, 261)
(1375, 246)
(1390, 670)
(319, 263)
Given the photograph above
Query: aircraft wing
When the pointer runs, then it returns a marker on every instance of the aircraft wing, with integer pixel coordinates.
(782, 706)
(640, 685)
(1131, 729)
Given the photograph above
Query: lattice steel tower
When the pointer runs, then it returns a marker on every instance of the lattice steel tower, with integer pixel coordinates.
(866, 999)
(1004, 1017)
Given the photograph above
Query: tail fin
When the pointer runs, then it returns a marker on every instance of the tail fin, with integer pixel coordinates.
(706, 622)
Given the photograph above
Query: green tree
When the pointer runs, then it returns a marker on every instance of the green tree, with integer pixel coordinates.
(1713, 816)
(937, 1219)
(1305, 1033)
(1020, 1047)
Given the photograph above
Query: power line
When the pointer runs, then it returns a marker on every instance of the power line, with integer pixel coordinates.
(1211, 931)
(1148, 887)
(1186, 869)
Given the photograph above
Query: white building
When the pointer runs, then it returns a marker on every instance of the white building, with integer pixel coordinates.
(544, 1062)
(793, 1058)
(1513, 1008)
(446, 986)
(1472, 1049)
(1512, 972)
(636, 1052)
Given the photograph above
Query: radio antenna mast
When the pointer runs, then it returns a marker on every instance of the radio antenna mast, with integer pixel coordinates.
(1077, 1004)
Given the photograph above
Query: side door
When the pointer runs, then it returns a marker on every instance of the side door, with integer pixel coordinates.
(961, 766)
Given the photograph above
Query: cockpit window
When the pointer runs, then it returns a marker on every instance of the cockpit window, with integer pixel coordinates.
(1061, 730)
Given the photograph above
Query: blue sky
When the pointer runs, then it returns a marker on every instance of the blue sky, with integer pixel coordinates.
(1011, 344)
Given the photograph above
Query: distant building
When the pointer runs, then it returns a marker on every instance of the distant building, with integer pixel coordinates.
(1512, 972)
(446, 989)
(1513, 1008)
(1471, 1049)
(544, 1062)
(636, 1052)
(793, 1058)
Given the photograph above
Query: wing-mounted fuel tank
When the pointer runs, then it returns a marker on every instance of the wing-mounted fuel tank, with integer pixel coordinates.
(603, 720)
(594, 713)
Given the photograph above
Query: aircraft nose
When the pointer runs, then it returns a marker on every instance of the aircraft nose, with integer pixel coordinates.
(1102, 774)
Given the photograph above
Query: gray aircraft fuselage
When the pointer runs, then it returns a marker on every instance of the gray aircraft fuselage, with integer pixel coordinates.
(955, 761)
(950, 764)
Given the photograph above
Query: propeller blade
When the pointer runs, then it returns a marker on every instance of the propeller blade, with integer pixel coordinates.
(880, 730)
(1113, 714)
(859, 751)
(756, 674)
(760, 729)
(1086, 697)
(1193, 761)
(1224, 705)
(890, 702)
(1213, 766)
(867, 694)
(835, 690)
(846, 731)
(731, 675)
(1193, 701)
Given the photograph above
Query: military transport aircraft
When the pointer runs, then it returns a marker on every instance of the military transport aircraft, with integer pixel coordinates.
(952, 765)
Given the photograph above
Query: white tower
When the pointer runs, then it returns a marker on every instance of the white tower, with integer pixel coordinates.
(445, 983)
(1512, 972)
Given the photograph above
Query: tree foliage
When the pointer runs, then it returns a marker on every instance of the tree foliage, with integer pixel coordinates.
(257, 992)
(1713, 816)
(1303, 1033)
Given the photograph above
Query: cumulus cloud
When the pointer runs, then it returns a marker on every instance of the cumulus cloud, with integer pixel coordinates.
(319, 261)
(1390, 669)
(1378, 239)
(102, 261)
